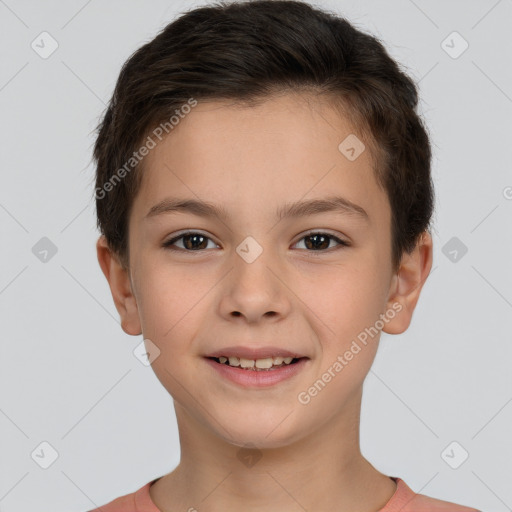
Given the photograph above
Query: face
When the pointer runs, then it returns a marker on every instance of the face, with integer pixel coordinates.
(262, 272)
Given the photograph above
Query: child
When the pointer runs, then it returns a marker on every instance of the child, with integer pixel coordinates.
(264, 196)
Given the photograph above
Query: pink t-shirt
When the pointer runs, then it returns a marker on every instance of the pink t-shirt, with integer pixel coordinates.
(404, 500)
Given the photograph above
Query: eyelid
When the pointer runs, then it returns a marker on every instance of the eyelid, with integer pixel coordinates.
(168, 243)
(323, 231)
(319, 231)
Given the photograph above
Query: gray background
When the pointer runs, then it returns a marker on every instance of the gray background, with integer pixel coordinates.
(67, 372)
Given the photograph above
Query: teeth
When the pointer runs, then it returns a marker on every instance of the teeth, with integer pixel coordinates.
(264, 364)
(246, 363)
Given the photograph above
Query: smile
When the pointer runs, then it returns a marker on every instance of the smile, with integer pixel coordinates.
(267, 363)
(257, 373)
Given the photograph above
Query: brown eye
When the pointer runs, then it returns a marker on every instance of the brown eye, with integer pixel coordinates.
(196, 242)
(192, 241)
(319, 242)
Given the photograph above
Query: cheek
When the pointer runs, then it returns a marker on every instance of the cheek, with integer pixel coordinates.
(169, 306)
(346, 299)
(173, 304)
(167, 299)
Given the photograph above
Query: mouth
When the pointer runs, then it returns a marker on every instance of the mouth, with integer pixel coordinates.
(258, 372)
(257, 365)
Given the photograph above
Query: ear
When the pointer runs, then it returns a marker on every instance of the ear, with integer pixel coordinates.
(407, 284)
(120, 286)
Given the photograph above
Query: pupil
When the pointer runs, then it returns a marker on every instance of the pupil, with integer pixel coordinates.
(315, 244)
(189, 237)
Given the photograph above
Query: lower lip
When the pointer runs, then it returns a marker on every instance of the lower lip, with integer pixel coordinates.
(255, 378)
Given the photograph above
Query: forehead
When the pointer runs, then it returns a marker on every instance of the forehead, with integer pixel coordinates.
(281, 150)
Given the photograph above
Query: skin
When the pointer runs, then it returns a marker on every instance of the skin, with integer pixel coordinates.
(252, 160)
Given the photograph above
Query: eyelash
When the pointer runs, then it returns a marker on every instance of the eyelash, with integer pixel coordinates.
(169, 243)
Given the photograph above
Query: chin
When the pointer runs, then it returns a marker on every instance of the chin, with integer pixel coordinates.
(273, 431)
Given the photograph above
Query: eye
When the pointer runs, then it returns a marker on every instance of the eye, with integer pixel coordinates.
(192, 241)
(319, 242)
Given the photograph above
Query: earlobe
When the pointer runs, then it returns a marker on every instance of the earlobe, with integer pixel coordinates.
(407, 284)
(120, 287)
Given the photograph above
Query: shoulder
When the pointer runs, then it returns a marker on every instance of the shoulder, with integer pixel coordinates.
(124, 503)
(406, 500)
(138, 501)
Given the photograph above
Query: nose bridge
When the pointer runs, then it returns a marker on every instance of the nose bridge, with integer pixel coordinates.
(254, 288)
(252, 262)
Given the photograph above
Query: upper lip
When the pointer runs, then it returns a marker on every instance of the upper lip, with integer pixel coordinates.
(254, 353)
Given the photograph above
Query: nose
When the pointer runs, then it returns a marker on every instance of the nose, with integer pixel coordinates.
(255, 290)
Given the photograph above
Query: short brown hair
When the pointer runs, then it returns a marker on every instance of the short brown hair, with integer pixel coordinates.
(247, 51)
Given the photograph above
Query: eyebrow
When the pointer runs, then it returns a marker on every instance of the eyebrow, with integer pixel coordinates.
(288, 210)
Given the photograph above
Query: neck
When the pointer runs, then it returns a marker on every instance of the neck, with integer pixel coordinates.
(320, 471)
